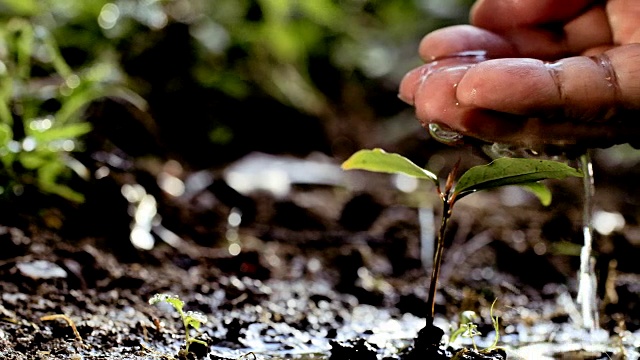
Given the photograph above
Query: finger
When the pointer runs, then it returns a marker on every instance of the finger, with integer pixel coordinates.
(433, 92)
(596, 51)
(590, 29)
(435, 97)
(508, 14)
(552, 41)
(624, 16)
(436, 101)
(462, 38)
(410, 82)
(577, 88)
(414, 79)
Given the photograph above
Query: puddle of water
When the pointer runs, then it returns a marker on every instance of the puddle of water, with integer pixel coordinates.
(379, 327)
(542, 340)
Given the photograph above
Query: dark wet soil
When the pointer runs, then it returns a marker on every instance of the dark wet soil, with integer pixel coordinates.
(327, 267)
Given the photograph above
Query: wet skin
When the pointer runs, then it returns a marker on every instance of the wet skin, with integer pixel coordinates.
(534, 72)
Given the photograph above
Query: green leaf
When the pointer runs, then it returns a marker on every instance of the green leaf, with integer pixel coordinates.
(33, 160)
(64, 191)
(540, 190)
(173, 300)
(73, 104)
(194, 319)
(511, 171)
(5, 112)
(68, 131)
(20, 7)
(48, 173)
(24, 48)
(6, 134)
(324, 12)
(379, 160)
(59, 64)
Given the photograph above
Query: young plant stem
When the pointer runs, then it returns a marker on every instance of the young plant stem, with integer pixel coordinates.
(187, 336)
(437, 258)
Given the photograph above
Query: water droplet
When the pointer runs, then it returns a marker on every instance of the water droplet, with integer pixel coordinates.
(445, 135)
(29, 143)
(234, 249)
(109, 15)
(234, 218)
(473, 55)
(73, 81)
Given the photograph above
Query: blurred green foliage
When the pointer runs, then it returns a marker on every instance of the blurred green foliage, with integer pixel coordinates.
(59, 55)
(41, 99)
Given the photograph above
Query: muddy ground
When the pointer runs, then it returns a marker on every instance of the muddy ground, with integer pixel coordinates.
(296, 259)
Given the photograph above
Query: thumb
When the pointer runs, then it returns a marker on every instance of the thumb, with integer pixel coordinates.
(579, 89)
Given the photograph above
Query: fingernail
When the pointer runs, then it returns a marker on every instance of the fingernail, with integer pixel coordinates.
(405, 99)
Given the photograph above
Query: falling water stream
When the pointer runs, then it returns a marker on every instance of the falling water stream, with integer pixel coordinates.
(586, 276)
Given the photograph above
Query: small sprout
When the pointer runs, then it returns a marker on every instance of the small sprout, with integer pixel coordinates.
(192, 319)
(468, 328)
(496, 326)
(468, 316)
(501, 172)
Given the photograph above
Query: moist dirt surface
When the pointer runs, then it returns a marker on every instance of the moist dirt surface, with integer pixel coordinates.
(292, 258)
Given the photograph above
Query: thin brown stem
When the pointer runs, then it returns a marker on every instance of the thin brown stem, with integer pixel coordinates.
(437, 259)
(67, 319)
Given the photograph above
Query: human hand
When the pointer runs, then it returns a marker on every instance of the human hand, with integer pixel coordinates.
(534, 72)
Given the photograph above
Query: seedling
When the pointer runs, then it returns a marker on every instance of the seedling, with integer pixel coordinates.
(500, 172)
(41, 109)
(189, 318)
(468, 328)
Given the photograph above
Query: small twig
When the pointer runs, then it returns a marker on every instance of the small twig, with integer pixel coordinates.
(10, 320)
(145, 332)
(68, 320)
(247, 355)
